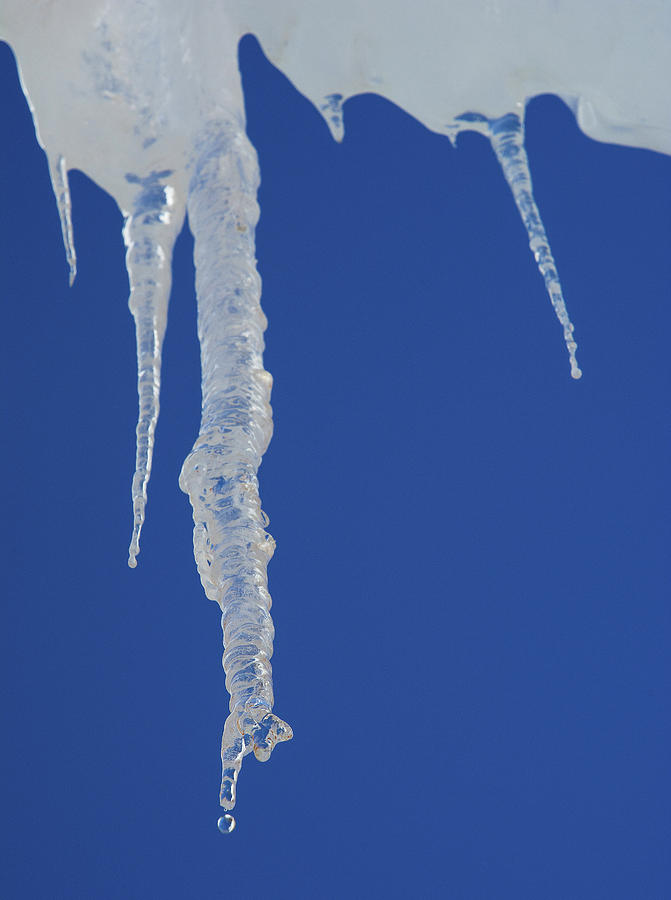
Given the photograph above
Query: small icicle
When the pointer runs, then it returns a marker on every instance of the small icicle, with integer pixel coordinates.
(149, 234)
(507, 138)
(61, 188)
(331, 109)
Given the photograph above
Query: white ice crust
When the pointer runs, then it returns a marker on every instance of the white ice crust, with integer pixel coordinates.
(434, 58)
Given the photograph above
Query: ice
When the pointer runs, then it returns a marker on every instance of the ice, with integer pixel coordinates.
(507, 137)
(231, 546)
(59, 182)
(145, 97)
(149, 234)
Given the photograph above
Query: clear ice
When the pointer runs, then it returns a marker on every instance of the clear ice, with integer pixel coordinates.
(145, 97)
(507, 137)
(149, 233)
(231, 546)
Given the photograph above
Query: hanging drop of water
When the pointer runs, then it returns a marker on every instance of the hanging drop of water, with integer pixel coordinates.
(226, 824)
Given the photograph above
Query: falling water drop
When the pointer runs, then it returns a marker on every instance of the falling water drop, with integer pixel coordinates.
(226, 824)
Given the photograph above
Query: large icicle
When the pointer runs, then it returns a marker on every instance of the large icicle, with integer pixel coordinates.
(232, 548)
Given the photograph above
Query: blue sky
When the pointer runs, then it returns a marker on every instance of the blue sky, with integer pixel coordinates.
(472, 575)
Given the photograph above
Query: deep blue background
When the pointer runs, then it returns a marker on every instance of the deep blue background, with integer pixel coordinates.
(472, 577)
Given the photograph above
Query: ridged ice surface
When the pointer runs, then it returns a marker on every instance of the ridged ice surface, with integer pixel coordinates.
(149, 235)
(145, 97)
(231, 545)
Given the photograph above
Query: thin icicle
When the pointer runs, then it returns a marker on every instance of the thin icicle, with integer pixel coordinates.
(231, 546)
(507, 138)
(149, 234)
(332, 110)
(61, 187)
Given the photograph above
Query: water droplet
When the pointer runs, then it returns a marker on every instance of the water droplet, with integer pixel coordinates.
(226, 824)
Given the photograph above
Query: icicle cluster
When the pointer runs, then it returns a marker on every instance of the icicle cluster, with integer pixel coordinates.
(145, 96)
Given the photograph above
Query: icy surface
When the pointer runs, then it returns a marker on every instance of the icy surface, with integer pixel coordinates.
(145, 97)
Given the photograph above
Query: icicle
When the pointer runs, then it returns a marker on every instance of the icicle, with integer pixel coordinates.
(331, 109)
(507, 138)
(230, 545)
(61, 187)
(149, 234)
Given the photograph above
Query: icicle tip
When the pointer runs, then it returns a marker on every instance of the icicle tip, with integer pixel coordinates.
(134, 548)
